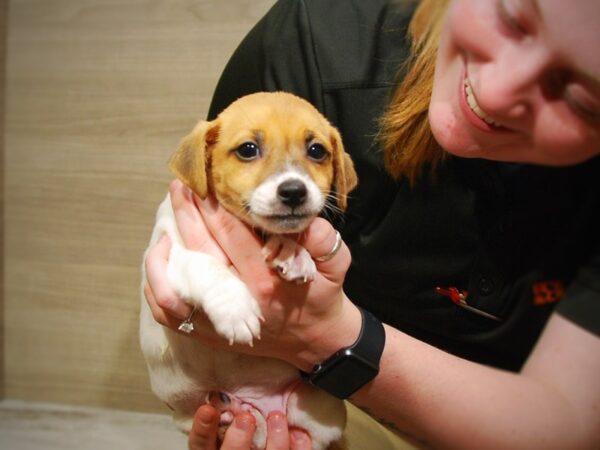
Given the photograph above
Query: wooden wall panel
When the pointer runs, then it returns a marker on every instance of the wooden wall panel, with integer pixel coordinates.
(99, 92)
(3, 32)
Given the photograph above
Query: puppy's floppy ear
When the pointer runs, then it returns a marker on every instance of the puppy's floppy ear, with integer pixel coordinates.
(344, 175)
(189, 163)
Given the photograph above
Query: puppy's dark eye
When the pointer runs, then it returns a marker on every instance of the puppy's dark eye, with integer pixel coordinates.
(248, 151)
(317, 153)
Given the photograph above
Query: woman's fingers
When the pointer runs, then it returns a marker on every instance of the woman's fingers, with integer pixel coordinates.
(163, 296)
(158, 313)
(323, 243)
(244, 247)
(240, 433)
(277, 432)
(280, 437)
(240, 243)
(204, 429)
(190, 223)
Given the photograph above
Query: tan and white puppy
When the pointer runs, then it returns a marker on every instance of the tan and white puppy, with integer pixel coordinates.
(275, 162)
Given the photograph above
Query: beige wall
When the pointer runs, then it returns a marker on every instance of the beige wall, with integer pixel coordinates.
(98, 93)
(3, 9)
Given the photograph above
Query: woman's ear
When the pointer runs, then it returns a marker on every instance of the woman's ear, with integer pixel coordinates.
(189, 162)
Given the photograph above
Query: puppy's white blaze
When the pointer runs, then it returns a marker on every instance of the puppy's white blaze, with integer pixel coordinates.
(264, 201)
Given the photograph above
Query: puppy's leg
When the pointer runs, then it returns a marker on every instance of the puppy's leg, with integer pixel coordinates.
(183, 422)
(320, 414)
(205, 282)
(291, 260)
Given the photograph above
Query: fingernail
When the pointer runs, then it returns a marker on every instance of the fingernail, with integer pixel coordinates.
(277, 421)
(206, 415)
(207, 421)
(245, 421)
(175, 185)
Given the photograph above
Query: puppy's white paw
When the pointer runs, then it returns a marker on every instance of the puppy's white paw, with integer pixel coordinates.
(299, 268)
(207, 283)
(234, 313)
(291, 260)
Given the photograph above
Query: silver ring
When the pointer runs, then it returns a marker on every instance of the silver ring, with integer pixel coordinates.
(187, 326)
(334, 250)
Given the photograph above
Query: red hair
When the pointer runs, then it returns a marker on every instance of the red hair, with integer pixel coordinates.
(408, 144)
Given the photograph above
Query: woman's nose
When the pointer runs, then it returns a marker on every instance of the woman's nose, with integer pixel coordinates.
(511, 86)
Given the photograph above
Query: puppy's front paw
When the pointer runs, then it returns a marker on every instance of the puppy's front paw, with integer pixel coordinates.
(234, 313)
(291, 260)
(299, 268)
(210, 285)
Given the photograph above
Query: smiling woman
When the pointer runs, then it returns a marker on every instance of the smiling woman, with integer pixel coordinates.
(525, 93)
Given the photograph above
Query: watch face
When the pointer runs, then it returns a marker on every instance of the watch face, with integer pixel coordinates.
(345, 375)
(349, 369)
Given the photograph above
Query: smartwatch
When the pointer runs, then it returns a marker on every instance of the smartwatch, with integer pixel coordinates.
(350, 368)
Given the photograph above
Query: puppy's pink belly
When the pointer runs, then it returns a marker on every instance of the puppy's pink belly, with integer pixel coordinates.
(264, 402)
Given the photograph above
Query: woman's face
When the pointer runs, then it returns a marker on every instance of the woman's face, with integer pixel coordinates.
(519, 80)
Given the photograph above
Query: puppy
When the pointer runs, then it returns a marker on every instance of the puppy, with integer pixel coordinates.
(275, 162)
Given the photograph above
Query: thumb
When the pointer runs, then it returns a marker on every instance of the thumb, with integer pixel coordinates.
(204, 429)
(330, 253)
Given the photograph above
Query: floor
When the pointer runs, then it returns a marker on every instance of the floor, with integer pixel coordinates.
(34, 426)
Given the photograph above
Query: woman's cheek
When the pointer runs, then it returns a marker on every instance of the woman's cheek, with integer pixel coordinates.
(563, 139)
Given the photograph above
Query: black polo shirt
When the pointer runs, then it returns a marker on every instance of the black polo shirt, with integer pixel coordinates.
(511, 238)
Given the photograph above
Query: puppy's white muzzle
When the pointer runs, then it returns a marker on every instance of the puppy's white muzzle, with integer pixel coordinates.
(285, 202)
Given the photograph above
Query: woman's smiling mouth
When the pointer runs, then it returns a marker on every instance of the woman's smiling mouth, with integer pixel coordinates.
(472, 102)
(473, 111)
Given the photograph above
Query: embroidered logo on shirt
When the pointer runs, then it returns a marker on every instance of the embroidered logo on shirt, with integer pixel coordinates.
(546, 292)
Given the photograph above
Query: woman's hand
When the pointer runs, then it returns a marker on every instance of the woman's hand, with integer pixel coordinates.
(167, 308)
(299, 318)
(239, 434)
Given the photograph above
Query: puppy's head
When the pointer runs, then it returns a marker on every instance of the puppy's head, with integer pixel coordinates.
(270, 158)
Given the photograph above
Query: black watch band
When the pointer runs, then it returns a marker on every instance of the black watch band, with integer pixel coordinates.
(350, 368)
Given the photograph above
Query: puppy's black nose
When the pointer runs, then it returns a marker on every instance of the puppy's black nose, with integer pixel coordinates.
(292, 193)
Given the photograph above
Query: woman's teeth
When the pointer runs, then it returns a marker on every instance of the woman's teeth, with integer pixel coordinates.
(472, 102)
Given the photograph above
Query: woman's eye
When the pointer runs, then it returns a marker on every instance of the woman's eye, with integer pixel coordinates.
(510, 18)
(248, 151)
(582, 106)
(577, 96)
(317, 152)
